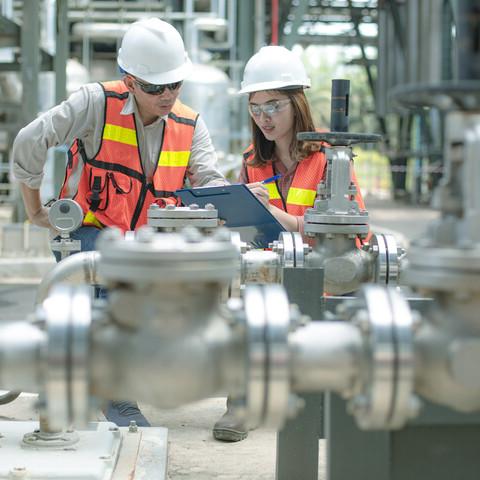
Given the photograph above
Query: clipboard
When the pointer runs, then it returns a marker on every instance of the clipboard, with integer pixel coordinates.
(240, 209)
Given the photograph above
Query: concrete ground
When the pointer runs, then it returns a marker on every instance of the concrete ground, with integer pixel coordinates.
(193, 453)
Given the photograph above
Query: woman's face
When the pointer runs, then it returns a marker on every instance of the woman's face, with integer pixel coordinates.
(273, 114)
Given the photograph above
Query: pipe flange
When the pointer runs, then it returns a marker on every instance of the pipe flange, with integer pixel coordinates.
(386, 398)
(41, 440)
(286, 249)
(67, 312)
(241, 247)
(291, 249)
(173, 217)
(301, 249)
(315, 216)
(341, 229)
(165, 257)
(385, 249)
(192, 211)
(267, 312)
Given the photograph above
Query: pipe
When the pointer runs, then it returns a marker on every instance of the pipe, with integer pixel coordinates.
(259, 24)
(325, 356)
(274, 22)
(21, 345)
(467, 14)
(70, 269)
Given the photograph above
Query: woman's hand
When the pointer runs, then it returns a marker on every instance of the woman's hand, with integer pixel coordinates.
(261, 192)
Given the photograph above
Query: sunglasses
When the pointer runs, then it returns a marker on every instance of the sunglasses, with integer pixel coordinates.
(269, 108)
(152, 89)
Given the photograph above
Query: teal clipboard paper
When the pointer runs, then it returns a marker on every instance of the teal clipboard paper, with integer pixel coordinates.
(240, 210)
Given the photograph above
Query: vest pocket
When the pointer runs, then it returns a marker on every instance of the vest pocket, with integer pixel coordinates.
(111, 197)
(122, 199)
(120, 182)
(97, 198)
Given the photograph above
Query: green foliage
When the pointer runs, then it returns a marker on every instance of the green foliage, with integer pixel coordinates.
(373, 171)
(324, 64)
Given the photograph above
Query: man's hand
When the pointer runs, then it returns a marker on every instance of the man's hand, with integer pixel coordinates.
(40, 218)
(261, 192)
(37, 213)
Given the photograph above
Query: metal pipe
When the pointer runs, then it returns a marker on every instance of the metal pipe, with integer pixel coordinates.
(274, 22)
(339, 105)
(259, 24)
(346, 266)
(7, 8)
(21, 344)
(260, 266)
(79, 268)
(326, 356)
(192, 353)
(467, 14)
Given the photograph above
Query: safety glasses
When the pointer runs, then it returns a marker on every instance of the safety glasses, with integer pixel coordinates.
(152, 89)
(269, 108)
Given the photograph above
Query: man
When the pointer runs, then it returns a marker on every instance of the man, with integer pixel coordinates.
(132, 142)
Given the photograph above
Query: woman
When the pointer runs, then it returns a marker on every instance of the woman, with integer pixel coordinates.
(275, 80)
(281, 171)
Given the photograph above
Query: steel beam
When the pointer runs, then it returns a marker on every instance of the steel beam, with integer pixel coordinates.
(30, 47)
(297, 442)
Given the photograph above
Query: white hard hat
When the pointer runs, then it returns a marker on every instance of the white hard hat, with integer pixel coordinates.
(273, 68)
(153, 50)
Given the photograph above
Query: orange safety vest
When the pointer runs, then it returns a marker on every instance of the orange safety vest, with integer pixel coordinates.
(303, 189)
(113, 189)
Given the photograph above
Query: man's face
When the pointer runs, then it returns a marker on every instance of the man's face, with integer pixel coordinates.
(153, 100)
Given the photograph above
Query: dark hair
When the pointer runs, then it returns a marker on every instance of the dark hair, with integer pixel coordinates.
(303, 122)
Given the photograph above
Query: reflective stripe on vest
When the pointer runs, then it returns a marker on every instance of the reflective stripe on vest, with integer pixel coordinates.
(119, 134)
(303, 189)
(273, 192)
(123, 193)
(91, 219)
(301, 196)
(174, 159)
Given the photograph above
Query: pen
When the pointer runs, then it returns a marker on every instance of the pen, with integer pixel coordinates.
(271, 179)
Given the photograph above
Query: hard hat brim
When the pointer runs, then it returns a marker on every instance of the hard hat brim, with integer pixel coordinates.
(277, 85)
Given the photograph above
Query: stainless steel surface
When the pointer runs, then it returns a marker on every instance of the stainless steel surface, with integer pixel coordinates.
(65, 215)
(326, 356)
(335, 210)
(67, 313)
(22, 345)
(179, 256)
(173, 218)
(384, 401)
(387, 261)
(277, 323)
(267, 390)
(78, 268)
(265, 266)
(346, 266)
(260, 266)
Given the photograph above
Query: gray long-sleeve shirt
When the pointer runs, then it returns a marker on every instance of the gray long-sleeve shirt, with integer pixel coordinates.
(82, 116)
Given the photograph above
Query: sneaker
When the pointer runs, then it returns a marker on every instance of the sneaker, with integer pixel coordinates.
(122, 413)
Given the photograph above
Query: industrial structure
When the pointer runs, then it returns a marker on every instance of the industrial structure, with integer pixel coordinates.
(377, 344)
